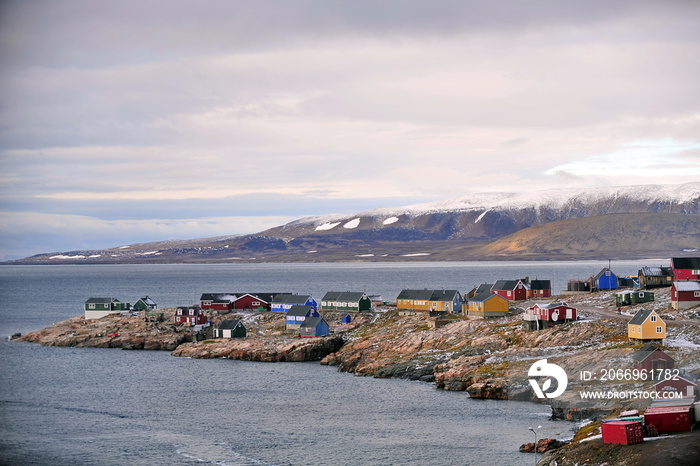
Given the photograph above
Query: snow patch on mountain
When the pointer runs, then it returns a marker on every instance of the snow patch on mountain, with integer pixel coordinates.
(354, 223)
(390, 220)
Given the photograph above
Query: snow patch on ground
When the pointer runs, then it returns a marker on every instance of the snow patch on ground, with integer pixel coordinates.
(354, 223)
(481, 216)
(327, 226)
(390, 220)
(364, 255)
(62, 256)
(416, 254)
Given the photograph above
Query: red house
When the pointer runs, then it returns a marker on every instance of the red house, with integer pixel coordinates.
(512, 290)
(190, 315)
(685, 295)
(651, 359)
(217, 301)
(685, 385)
(540, 288)
(542, 316)
(686, 268)
(253, 302)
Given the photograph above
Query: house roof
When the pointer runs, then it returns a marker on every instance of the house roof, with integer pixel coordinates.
(541, 285)
(311, 322)
(292, 298)
(346, 296)
(687, 286)
(641, 316)
(483, 288)
(424, 295)
(299, 310)
(444, 295)
(503, 285)
(230, 324)
(147, 300)
(553, 305)
(656, 271)
(218, 297)
(101, 300)
(481, 297)
(685, 375)
(645, 352)
(685, 262)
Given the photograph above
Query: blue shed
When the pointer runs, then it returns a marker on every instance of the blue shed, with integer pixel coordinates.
(347, 318)
(605, 280)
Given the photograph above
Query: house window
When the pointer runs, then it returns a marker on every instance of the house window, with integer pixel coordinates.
(607, 273)
(91, 306)
(658, 330)
(696, 294)
(256, 303)
(653, 318)
(509, 293)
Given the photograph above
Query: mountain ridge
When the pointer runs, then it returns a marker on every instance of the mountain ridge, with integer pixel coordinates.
(476, 227)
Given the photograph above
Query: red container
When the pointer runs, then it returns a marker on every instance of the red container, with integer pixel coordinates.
(669, 419)
(622, 432)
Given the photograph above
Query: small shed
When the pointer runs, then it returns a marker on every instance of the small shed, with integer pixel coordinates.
(232, 328)
(346, 319)
(314, 327)
(652, 360)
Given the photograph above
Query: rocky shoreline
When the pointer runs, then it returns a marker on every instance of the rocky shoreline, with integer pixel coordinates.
(486, 359)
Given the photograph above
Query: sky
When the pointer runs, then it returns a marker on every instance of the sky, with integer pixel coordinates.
(128, 121)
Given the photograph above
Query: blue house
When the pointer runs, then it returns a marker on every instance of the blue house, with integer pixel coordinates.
(314, 327)
(605, 280)
(284, 302)
(298, 314)
(347, 318)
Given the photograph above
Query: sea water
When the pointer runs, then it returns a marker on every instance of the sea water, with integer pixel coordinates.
(89, 406)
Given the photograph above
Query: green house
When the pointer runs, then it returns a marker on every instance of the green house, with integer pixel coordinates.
(144, 304)
(232, 328)
(96, 308)
(346, 301)
(630, 297)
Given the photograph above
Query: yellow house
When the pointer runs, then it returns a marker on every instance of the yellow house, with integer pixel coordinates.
(487, 305)
(412, 301)
(646, 325)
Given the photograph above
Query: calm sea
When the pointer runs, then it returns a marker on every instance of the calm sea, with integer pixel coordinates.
(102, 407)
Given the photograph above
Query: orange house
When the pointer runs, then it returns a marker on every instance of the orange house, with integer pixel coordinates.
(646, 325)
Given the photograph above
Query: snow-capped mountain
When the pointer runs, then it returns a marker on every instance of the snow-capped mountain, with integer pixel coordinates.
(620, 222)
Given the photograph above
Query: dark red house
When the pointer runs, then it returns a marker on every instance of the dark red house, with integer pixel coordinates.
(512, 290)
(541, 288)
(685, 295)
(253, 302)
(683, 385)
(217, 301)
(686, 268)
(651, 359)
(190, 315)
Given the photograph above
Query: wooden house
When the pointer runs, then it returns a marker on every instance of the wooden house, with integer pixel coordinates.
(191, 315)
(314, 327)
(684, 384)
(685, 295)
(486, 305)
(654, 277)
(604, 280)
(346, 319)
(222, 302)
(512, 290)
(646, 326)
(260, 302)
(631, 297)
(652, 360)
(232, 328)
(297, 314)
(686, 268)
(540, 289)
(283, 302)
(145, 304)
(414, 300)
(96, 308)
(445, 302)
(346, 301)
(541, 316)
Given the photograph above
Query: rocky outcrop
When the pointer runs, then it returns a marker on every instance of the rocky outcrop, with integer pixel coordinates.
(279, 349)
(544, 444)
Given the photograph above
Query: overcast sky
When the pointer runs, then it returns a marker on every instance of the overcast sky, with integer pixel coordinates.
(134, 121)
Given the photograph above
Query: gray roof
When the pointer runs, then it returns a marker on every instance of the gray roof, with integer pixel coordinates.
(416, 294)
(541, 285)
(687, 286)
(602, 272)
(444, 295)
(218, 297)
(656, 271)
(345, 296)
(102, 300)
(502, 285)
(641, 316)
(292, 298)
(481, 297)
(311, 322)
(230, 324)
(300, 310)
(645, 352)
(685, 262)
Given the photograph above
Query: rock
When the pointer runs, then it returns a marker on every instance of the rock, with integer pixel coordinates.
(544, 444)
